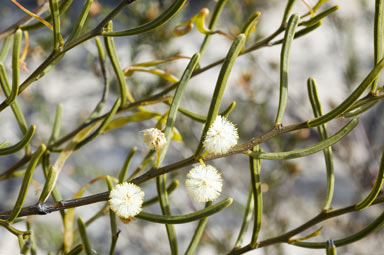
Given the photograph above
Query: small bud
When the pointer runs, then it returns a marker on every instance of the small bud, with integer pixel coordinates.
(204, 183)
(125, 200)
(221, 136)
(154, 138)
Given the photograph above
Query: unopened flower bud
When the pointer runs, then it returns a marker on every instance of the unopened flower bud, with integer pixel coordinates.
(154, 138)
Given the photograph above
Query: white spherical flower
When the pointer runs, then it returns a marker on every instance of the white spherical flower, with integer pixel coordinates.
(126, 199)
(221, 136)
(204, 183)
(154, 138)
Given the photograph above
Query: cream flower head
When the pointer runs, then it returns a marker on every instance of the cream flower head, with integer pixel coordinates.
(154, 138)
(221, 136)
(204, 183)
(125, 200)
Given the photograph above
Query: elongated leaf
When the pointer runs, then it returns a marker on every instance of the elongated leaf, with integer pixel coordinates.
(5, 49)
(320, 16)
(341, 108)
(317, 111)
(54, 8)
(158, 72)
(137, 117)
(84, 237)
(15, 105)
(15, 67)
(26, 181)
(372, 227)
(310, 150)
(156, 62)
(163, 18)
(113, 57)
(176, 103)
(368, 200)
(284, 64)
(78, 27)
(225, 71)
(378, 37)
(187, 217)
(23, 142)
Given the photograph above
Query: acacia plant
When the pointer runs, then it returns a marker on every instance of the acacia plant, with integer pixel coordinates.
(160, 104)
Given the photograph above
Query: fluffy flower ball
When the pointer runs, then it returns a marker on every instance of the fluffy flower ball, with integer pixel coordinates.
(204, 183)
(154, 138)
(221, 136)
(126, 199)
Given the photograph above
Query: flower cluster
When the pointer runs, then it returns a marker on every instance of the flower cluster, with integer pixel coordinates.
(154, 138)
(125, 200)
(204, 183)
(221, 136)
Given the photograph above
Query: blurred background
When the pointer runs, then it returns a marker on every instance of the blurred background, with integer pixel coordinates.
(338, 55)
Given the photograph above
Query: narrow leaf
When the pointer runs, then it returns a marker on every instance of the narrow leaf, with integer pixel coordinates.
(210, 210)
(284, 64)
(309, 150)
(163, 18)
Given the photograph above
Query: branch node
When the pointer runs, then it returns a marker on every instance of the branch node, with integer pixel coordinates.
(43, 209)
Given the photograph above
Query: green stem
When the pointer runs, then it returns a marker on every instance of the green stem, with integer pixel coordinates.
(331, 248)
(102, 126)
(77, 250)
(198, 233)
(246, 218)
(84, 236)
(255, 167)
(112, 219)
(212, 25)
(164, 204)
(201, 118)
(171, 187)
(127, 162)
(13, 230)
(287, 11)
